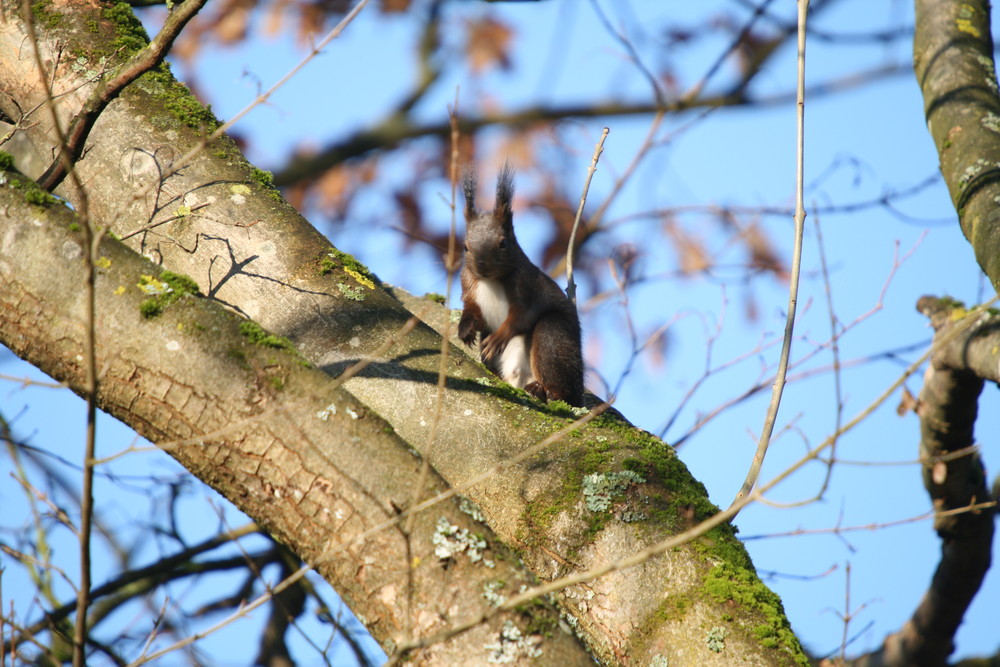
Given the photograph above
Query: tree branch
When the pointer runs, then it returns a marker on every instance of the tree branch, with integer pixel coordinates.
(947, 407)
(953, 61)
(139, 64)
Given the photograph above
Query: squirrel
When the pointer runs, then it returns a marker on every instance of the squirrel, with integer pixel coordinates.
(528, 329)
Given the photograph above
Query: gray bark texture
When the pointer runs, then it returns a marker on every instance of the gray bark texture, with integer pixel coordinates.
(953, 62)
(282, 442)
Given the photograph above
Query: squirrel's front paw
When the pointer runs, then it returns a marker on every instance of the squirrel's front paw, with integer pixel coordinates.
(492, 347)
(467, 330)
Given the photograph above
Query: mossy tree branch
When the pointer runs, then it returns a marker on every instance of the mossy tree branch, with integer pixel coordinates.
(219, 221)
(140, 63)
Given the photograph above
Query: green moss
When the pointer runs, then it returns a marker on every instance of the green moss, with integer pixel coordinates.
(237, 354)
(130, 35)
(951, 302)
(256, 335)
(263, 178)
(540, 616)
(726, 583)
(334, 259)
(673, 608)
(184, 108)
(129, 38)
(43, 15)
(435, 297)
(266, 180)
(15, 180)
(38, 197)
(181, 283)
(561, 409)
(163, 291)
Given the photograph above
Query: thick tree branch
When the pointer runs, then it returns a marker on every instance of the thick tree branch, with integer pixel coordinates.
(947, 407)
(275, 437)
(953, 61)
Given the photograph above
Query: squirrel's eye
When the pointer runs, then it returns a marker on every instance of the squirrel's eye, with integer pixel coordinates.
(503, 244)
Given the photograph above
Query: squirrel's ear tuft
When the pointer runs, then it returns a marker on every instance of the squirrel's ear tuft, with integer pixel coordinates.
(505, 193)
(469, 190)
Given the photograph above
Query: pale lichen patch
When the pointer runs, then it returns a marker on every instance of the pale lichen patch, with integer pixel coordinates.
(449, 540)
(991, 122)
(470, 508)
(513, 646)
(975, 169)
(716, 639)
(599, 489)
(324, 414)
(492, 594)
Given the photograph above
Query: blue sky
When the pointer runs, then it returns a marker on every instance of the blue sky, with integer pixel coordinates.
(861, 143)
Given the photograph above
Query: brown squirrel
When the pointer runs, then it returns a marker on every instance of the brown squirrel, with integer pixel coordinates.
(529, 331)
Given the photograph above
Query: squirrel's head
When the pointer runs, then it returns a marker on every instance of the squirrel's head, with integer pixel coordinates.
(490, 247)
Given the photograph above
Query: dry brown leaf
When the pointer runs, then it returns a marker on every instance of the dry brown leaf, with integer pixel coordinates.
(519, 149)
(488, 44)
(394, 6)
(233, 25)
(562, 213)
(691, 254)
(333, 189)
(274, 17)
(907, 403)
(410, 216)
(763, 257)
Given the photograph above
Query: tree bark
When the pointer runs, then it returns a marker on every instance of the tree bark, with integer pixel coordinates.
(953, 61)
(276, 437)
(218, 221)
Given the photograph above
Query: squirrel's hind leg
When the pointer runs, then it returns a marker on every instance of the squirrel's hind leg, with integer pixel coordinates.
(556, 360)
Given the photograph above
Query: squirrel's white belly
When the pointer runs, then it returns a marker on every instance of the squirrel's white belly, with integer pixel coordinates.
(492, 301)
(514, 363)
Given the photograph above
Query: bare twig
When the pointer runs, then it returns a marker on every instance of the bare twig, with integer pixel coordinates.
(800, 217)
(872, 527)
(570, 251)
(92, 239)
(451, 264)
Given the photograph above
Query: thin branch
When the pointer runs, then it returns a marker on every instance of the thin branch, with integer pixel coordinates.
(570, 251)
(390, 132)
(165, 568)
(872, 527)
(91, 241)
(793, 291)
(451, 264)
